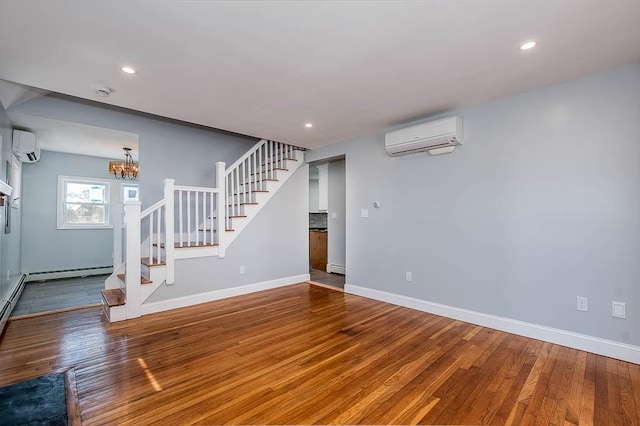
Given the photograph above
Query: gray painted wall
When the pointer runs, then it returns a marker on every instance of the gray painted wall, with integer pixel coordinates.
(336, 251)
(9, 243)
(541, 204)
(46, 248)
(274, 245)
(167, 149)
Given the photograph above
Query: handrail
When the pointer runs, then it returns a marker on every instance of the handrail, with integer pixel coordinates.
(244, 157)
(196, 189)
(152, 208)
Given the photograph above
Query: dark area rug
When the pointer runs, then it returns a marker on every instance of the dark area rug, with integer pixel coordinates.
(39, 401)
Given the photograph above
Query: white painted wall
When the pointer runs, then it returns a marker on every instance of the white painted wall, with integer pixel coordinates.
(336, 221)
(46, 248)
(540, 205)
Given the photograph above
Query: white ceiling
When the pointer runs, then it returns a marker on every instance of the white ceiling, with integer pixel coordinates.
(350, 67)
(74, 138)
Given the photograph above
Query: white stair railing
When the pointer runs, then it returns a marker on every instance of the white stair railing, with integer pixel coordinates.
(250, 173)
(196, 208)
(203, 216)
(133, 292)
(152, 218)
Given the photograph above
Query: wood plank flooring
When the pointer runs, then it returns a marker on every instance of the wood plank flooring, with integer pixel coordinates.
(305, 354)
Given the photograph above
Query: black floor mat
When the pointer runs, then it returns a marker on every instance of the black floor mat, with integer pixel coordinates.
(39, 401)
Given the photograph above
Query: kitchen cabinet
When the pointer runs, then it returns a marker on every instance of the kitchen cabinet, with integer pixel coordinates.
(318, 250)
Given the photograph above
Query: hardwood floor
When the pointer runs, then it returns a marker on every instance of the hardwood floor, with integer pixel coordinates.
(305, 354)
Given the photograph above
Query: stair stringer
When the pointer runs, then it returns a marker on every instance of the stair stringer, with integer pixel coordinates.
(263, 198)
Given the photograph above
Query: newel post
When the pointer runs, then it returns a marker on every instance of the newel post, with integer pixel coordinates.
(221, 183)
(117, 219)
(169, 224)
(133, 289)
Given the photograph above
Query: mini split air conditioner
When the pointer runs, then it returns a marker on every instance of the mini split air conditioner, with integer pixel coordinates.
(25, 146)
(436, 137)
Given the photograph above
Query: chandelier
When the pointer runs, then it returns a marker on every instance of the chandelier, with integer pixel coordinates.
(127, 169)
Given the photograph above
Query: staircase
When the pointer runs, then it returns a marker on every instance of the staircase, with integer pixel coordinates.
(190, 222)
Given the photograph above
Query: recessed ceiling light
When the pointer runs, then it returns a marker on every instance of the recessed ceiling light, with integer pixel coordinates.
(128, 70)
(308, 125)
(527, 45)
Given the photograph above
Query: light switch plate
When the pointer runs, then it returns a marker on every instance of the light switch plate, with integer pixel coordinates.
(334, 215)
(364, 213)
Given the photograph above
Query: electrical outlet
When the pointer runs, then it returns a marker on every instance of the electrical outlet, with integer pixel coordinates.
(582, 304)
(618, 310)
(242, 269)
(408, 276)
(334, 215)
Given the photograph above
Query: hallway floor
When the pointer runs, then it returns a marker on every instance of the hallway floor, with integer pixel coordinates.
(322, 277)
(59, 294)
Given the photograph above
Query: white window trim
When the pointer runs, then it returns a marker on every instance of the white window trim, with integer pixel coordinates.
(62, 181)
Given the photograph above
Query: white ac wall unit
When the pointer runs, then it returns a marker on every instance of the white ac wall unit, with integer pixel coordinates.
(437, 136)
(25, 146)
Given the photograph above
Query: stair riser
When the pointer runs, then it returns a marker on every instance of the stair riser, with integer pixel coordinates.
(114, 313)
(252, 186)
(249, 209)
(153, 273)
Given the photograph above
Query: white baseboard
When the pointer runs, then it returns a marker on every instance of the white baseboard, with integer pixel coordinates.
(570, 339)
(336, 269)
(196, 299)
(11, 300)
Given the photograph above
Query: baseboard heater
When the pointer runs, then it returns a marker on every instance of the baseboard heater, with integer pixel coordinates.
(68, 273)
(336, 269)
(7, 304)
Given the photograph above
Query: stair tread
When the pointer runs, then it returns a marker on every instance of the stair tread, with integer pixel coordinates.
(237, 216)
(243, 193)
(276, 161)
(113, 297)
(275, 168)
(193, 244)
(253, 190)
(244, 204)
(268, 170)
(214, 230)
(153, 262)
(143, 280)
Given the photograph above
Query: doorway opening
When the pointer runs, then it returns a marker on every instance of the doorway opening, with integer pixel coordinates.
(327, 222)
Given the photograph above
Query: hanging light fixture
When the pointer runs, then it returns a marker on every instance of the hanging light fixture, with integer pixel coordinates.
(127, 169)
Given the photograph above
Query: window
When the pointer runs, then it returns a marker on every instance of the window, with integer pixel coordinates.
(83, 203)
